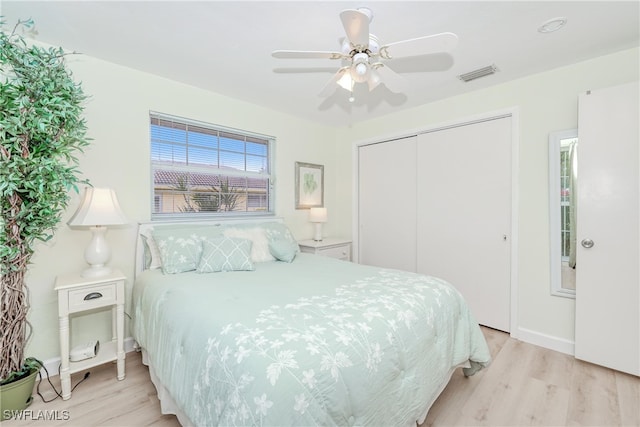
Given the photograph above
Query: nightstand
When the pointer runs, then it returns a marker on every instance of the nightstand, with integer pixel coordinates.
(78, 294)
(331, 247)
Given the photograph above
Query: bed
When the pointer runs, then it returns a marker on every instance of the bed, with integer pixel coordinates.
(240, 328)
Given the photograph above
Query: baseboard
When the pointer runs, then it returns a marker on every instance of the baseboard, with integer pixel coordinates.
(547, 341)
(52, 364)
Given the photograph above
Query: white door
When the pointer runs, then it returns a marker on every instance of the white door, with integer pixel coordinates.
(387, 204)
(464, 214)
(608, 254)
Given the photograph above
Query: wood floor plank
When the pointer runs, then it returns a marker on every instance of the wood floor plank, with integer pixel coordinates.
(496, 400)
(594, 396)
(540, 404)
(525, 385)
(628, 390)
(102, 400)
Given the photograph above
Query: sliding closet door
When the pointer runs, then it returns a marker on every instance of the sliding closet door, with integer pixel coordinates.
(387, 204)
(464, 214)
(608, 250)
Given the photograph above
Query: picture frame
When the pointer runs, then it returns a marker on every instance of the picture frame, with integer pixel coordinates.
(309, 185)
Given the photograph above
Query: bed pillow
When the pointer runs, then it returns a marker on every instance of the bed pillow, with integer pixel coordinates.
(283, 249)
(225, 254)
(259, 242)
(152, 259)
(279, 231)
(180, 248)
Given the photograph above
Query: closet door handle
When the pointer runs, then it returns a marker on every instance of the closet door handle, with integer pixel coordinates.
(587, 243)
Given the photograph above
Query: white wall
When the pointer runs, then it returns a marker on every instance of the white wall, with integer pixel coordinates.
(117, 116)
(547, 102)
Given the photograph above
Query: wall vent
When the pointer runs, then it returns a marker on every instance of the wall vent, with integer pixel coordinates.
(476, 74)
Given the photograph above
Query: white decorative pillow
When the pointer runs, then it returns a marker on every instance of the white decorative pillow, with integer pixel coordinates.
(260, 243)
(225, 254)
(152, 258)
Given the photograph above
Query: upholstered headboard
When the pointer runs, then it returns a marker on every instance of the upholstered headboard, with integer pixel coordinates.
(145, 230)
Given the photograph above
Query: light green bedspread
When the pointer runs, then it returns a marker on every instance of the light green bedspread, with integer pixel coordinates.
(314, 342)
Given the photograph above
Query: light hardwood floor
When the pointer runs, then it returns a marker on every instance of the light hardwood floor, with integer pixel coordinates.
(525, 385)
(530, 385)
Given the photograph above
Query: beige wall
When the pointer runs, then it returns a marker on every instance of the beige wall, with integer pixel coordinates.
(117, 117)
(546, 102)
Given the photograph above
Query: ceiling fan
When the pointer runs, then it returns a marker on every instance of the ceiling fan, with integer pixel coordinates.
(362, 54)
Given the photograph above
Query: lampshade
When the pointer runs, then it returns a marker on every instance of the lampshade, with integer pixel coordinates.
(318, 215)
(99, 206)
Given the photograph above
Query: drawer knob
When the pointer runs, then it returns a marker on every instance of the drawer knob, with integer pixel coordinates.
(92, 295)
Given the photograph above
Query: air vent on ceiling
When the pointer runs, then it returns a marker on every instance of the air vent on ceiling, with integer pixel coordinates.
(476, 74)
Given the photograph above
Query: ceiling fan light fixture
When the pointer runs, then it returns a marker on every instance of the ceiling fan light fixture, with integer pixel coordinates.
(346, 82)
(361, 69)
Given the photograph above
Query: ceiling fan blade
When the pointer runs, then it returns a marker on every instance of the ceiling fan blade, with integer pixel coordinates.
(374, 79)
(421, 63)
(331, 84)
(302, 70)
(356, 26)
(443, 42)
(305, 54)
(392, 80)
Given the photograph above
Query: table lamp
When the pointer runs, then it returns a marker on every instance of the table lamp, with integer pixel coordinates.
(318, 216)
(98, 209)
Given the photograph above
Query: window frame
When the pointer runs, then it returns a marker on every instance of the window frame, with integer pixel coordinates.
(198, 168)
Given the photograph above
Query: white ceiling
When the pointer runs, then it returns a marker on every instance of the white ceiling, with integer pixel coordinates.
(225, 46)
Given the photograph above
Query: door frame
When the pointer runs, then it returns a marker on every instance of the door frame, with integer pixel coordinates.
(512, 112)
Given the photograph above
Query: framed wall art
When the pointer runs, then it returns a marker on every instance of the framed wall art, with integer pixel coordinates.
(309, 185)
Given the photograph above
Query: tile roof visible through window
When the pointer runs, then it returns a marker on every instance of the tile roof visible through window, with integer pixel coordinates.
(171, 178)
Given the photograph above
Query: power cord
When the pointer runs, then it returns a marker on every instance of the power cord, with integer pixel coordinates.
(58, 394)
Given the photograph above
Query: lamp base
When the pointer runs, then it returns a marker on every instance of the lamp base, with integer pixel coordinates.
(98, 271)
(97, 254)
(318, 234)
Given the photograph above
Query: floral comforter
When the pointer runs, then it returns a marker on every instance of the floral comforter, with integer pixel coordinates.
(314, 342)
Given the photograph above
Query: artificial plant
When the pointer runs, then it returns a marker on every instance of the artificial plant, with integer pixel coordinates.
(42, 128)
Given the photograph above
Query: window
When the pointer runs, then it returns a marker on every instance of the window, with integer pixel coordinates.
(200, 169)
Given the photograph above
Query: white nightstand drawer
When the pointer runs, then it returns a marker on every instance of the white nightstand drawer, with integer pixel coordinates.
(92, 297)
(339, 252)
(330, 247)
